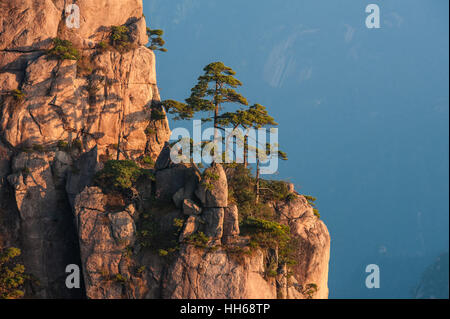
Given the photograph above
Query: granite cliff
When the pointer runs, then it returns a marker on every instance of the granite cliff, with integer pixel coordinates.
(174, 232)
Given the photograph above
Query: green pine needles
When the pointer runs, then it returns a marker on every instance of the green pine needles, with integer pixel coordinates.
(214, 88)
(63, 50)
(214, 91)
(119, 175)
(120, 38)
(156, 40)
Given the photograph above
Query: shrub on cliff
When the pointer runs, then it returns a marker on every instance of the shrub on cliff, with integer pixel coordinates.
(157, 112)
(312, 201)
(12, 275)
(118, 175)
(271, 190)
(199, 240)
(102, 46)
(270, 234)
(63, 50)
(147, 160)
(309, 290)
(17, 94)
(120, 38)
(267, 233)
(241, 190)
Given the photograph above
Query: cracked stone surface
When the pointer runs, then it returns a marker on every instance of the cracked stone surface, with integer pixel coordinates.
(49, 206)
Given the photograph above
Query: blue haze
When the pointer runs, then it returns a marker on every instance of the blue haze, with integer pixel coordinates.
(363, 116)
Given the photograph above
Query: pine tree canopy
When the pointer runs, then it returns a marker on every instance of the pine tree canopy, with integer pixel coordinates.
(181, 110)
(256, 116)
(156, 32)
(156, 39)
(281, 155)
(214, 88)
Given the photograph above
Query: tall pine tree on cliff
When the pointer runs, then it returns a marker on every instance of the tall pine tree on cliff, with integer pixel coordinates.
(255, 117)
(156, 40)
(213, 89)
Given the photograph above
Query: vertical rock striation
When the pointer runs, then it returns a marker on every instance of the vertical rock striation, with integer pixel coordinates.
(102, 101)
(61, 120)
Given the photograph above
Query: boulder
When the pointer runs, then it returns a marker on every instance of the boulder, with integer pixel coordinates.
(60, 107)
(170, 180)
(190, 227)
(230, 223)
(91, 198)
(213, 188)
(123, 228)
(213, 218)
(203, 274)
(192, 179)
(103, 237)
(190, 208)
(178, 198)
(163, 161)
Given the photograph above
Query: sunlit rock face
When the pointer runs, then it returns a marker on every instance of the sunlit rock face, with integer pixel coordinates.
(101, 101)
(104, 99)
(61, 120)
(220, 266)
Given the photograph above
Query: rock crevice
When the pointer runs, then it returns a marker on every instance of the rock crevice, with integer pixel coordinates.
(62, 120)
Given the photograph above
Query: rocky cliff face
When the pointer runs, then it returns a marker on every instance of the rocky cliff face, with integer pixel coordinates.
(62, 119)
(102, 100)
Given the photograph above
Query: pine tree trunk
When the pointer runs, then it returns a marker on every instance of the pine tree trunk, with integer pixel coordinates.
(245, 151)
(118, 147)
(257, 181)
(216, 115)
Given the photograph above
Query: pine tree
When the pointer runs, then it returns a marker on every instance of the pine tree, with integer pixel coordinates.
(214, 88)
(256, 116)
(268, 153)
(156, 40)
